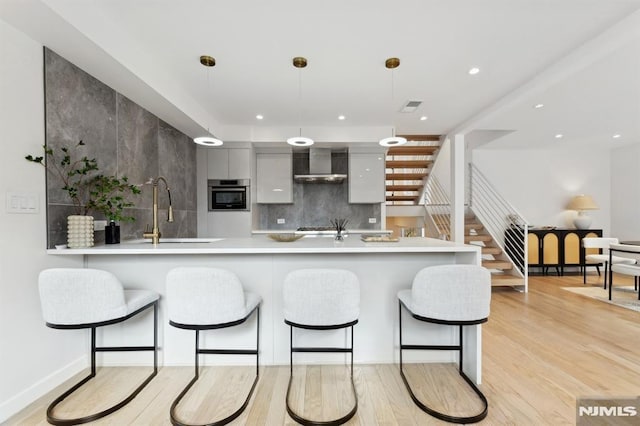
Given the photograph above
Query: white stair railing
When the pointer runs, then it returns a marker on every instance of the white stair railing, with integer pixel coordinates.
(438, 207)
(506, 225)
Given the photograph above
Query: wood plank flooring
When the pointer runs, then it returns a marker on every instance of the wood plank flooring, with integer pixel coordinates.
(541, 351)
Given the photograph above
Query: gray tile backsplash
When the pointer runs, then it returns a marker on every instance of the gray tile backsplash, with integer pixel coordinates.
(316, 205)
(126, 140)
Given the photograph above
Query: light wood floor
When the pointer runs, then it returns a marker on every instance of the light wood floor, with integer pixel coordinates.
(541, 351)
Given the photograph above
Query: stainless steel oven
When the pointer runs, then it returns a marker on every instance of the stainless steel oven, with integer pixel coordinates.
(229, 194)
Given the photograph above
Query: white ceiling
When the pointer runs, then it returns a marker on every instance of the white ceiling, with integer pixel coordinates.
(578, 57)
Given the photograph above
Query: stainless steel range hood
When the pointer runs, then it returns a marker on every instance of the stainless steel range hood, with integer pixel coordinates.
(320, 168)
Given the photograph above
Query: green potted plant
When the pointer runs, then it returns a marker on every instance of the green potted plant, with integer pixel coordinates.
(75, 173)
(109, 195)
(88, 191)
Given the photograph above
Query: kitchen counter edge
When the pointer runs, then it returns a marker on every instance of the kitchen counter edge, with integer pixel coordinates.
(264, 245)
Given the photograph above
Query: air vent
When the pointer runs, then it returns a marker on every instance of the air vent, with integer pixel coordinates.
(411, 106)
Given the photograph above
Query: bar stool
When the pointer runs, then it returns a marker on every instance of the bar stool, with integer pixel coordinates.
(202, 298)
(90, 298)
(457, 295)
(321, 299)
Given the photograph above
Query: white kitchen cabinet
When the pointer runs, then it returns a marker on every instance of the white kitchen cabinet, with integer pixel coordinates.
(228, 163)
(274, 177)
(366, 177)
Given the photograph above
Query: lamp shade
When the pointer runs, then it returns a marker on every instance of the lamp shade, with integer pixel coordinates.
(582, 202)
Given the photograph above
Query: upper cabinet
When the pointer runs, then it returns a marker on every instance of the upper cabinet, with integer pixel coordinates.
(229, 163)
(366, 177)
(274, 177)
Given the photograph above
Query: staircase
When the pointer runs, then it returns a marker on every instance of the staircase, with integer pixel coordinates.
(408, 166)
(492, 255)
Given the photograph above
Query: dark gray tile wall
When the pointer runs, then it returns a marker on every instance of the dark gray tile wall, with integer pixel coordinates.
(126, 140)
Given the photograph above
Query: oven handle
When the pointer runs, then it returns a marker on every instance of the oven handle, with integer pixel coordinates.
(228, 189)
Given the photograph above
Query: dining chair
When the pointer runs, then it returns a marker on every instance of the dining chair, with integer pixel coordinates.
(602, 258)
(631, 252)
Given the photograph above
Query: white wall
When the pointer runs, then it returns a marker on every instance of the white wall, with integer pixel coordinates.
(33, 358)
(540, 183)
(625, 192)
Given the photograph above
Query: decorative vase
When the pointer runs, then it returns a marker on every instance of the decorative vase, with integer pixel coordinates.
(79, 231)
(112, 233)
(339, 239)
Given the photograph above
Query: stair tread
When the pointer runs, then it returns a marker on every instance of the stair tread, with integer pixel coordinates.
(491, 250)
(497, 264)
(405, 176)
(402, 197)
(412, 188)
(423, 150)
(498, 280)
(477, 237)
(408, 164)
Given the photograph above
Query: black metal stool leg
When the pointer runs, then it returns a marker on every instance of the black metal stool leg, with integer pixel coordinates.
(196, 375)
(90, 418)
(308, 422)
(443, 416)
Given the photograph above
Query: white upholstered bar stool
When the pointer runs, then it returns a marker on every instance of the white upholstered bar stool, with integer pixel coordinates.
(602, 258)
(91, 298)
(457, 295)
(201, 298)
(631, 252)
(321, 299)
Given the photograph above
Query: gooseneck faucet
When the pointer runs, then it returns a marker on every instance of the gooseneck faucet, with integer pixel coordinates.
(155, 231)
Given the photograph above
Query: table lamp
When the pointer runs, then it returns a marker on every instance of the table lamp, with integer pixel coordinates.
(581, 203)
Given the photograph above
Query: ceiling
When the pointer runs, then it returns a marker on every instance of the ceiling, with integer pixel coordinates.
(580, 58)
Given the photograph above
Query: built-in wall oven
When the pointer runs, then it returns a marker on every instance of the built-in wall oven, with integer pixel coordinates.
(229, 194)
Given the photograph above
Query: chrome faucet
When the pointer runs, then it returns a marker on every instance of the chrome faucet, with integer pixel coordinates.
(155, 231)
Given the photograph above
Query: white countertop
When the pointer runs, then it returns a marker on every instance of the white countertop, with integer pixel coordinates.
(349, 231)
(262, 244)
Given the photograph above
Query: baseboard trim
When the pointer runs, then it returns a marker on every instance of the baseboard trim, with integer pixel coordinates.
(20, 401)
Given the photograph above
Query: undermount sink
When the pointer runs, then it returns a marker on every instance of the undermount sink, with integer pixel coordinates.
(189, 240)
(176, 240)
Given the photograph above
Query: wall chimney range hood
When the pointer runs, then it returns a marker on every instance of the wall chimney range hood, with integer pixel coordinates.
(320, 168)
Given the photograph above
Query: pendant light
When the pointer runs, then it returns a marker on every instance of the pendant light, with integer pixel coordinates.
(300, 62)
(209, 140)
(392, 63)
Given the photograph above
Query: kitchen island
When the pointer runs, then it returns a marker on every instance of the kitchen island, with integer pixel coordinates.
(383, 269)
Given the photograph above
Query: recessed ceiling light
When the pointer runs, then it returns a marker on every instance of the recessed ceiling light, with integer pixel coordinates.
(259, 116)
(423, 118)
(474, 71)
(559, 136)
(617, 136)
(341, 117)
(538, 106)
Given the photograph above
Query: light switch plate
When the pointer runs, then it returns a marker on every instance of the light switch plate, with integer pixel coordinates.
(23, 202)
(373, 220)
(280, 221)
